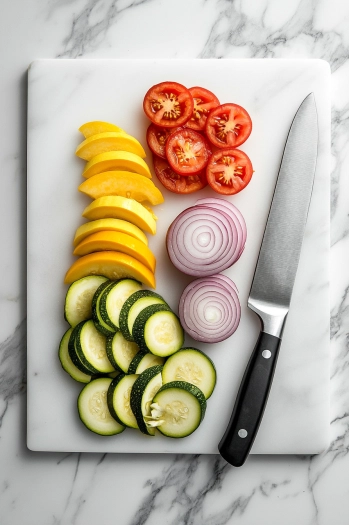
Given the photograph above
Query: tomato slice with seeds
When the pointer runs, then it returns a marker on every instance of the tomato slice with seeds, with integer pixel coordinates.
(228, 125)
(204, 101)
(186, 151)
(156, 139)
(168, 104)
(229, 171)
(175, 182)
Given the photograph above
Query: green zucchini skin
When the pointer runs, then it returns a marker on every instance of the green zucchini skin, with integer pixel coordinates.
(100, 421)
(123, 318)
(73, 352)
(141, 319)
(140, 327)
(105, 314)
(135, 362)
(102, 327)
(116, 352)
(78, 299)
(140, 361)
(66, 362)
(137, 393)
(110, 395)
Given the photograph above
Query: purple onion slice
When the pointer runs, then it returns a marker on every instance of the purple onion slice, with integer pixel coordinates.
(209, 309)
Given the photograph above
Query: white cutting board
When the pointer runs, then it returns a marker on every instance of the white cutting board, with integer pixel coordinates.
(63, 94)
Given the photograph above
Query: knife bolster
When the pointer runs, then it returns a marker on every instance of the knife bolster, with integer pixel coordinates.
(273, 317)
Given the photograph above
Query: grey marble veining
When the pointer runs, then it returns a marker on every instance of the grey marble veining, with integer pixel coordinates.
(187, 489)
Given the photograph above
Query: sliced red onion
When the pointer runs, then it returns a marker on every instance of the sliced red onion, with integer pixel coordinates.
(206, 238)
(209, 309)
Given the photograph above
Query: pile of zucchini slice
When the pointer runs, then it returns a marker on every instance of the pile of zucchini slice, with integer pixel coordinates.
(126, 344)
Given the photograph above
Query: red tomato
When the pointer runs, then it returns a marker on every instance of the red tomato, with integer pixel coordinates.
(228, 125)
(204, 101)
(168, 104)
(229, 171)
(156, 139)
(175, 182)
(186, 151)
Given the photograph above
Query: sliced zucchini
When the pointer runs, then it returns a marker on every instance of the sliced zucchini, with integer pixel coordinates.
(158, 330)
(101, 326)
(67, 363)
(90, 347)
(113, 298)
(177, 409)
(93, 408)
(144, 360)
(78, 301)
(142, 394)
(132, 307)
(121, 352)
(193, 366)
(73, 353)
(118, 399)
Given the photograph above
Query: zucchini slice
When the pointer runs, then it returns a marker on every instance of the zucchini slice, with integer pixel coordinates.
(121, 352)
(144, 360)
(142, 394)
(78, 301)
(193, 366)
(101, 326)
(93, 408)
(177, 409)
(113, 298)
(67, 363)
(90, 346)
(86, 369)
(118, 399)
(158, 330)
(133, 306)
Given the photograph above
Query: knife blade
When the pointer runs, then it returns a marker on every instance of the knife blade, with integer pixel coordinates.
(274, 277)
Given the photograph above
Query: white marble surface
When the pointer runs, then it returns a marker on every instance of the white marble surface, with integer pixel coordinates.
(42, 489)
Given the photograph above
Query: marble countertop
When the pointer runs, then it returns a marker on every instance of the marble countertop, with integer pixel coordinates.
(83, 489)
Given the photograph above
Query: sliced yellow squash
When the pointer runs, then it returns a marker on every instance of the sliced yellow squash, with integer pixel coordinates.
(121, 208)
(119, 242)
(97, 126)
(109, 141)
(117, 225)
(113, 265)
(123, 183)
(116, 160)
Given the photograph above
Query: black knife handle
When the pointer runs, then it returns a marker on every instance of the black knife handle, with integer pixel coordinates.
(251, 400)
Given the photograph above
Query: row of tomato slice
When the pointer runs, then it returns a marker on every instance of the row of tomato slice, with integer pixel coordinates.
(194, 139)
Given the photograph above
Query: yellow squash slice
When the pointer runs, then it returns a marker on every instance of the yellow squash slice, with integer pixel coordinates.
(123, 183)
(97, 126)
(117, 225)
(109, 141)
(116, 160)
(121, 208)
(119, 242)
(113, 265)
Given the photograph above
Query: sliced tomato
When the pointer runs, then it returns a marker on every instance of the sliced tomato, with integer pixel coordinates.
(229, 171)
(168, 104)
(175, 182)
(228, 125)
(156, 139)
(204, 101)
(186, 151)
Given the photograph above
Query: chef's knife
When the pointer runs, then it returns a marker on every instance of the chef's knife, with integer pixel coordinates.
(274, 277)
